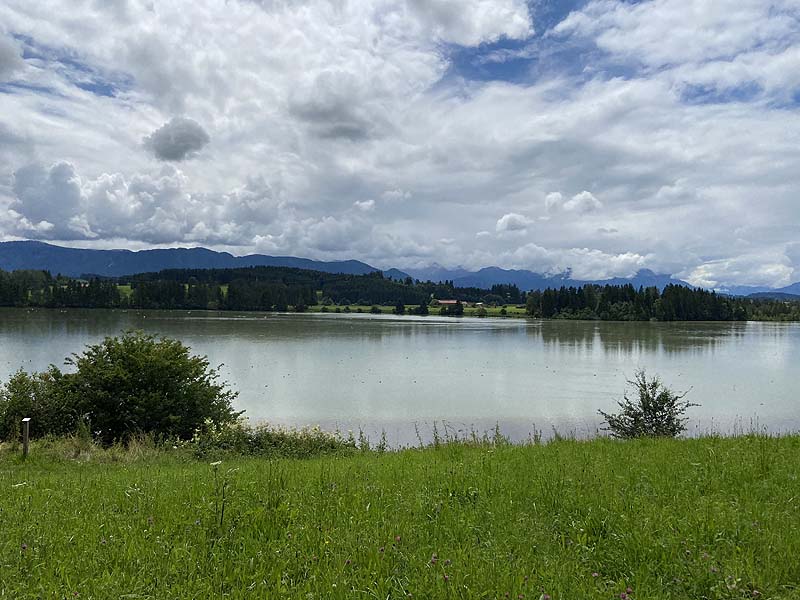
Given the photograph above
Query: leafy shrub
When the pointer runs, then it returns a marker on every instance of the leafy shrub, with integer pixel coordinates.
(139, 384)
(40, 397)
(123, 386)
(656, 412)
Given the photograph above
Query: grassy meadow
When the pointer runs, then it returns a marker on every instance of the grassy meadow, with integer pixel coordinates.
(696, 518)
(469, 311)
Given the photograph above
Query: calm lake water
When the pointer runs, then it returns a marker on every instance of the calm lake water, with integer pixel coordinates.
(390, 373)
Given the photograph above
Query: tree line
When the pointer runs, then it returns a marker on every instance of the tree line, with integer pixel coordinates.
(39, 288)
(284, 288)
(626, 303)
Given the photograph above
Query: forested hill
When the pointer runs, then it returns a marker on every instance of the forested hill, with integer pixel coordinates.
(332, 288)
(77, 262)
(284, 288)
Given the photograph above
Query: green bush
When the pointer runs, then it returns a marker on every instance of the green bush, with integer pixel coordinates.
(41, 397)
(123, 386)
(656, 412)
(139, 384)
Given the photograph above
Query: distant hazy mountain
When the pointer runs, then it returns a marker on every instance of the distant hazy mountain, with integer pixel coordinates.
(437, 272)
(646, 278)
(775, 295)
(524, 280)
(529, 280)
(793, 289)
(743, 290)
(395, 274)
(790, 292)
(77, 261)
(761, 291)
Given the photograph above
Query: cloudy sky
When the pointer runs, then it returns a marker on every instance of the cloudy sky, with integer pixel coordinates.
(603, 135)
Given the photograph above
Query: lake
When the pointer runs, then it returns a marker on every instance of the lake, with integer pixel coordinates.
(398, 374)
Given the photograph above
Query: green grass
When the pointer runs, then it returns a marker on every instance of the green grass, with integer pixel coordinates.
(491, 311)
(364, 308)
(700, 518)
(512, 310)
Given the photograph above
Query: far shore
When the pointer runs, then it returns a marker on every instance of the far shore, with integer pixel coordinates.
(470, 311)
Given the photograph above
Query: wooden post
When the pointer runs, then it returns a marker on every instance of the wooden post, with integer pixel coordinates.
(26, 432)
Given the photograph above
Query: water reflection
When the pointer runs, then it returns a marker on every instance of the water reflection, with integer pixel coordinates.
(639, 338)
(384, 372)
(580, 337)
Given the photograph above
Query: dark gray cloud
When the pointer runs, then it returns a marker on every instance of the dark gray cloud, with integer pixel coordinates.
(177, 139)
(334, 107)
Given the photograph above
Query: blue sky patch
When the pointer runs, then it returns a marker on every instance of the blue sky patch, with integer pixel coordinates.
(98, 88)
(539, 57)
(77, 72)
(705, 94)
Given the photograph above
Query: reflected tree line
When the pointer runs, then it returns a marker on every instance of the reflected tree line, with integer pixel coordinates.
(282, 289)
(634, 339)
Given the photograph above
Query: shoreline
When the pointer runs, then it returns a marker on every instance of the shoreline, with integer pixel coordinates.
(469, 313)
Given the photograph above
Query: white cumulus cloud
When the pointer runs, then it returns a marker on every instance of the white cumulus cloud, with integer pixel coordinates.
(512, 222)
(364, 205)
(583, 203)
(470, 22)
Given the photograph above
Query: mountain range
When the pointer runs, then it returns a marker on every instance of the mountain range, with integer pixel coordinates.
(77, 262)
(529, 280)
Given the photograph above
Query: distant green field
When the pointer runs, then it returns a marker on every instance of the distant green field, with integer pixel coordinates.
(496, 311)
(512, 311)
(364, 308)
(702, 518)
(125, 290)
